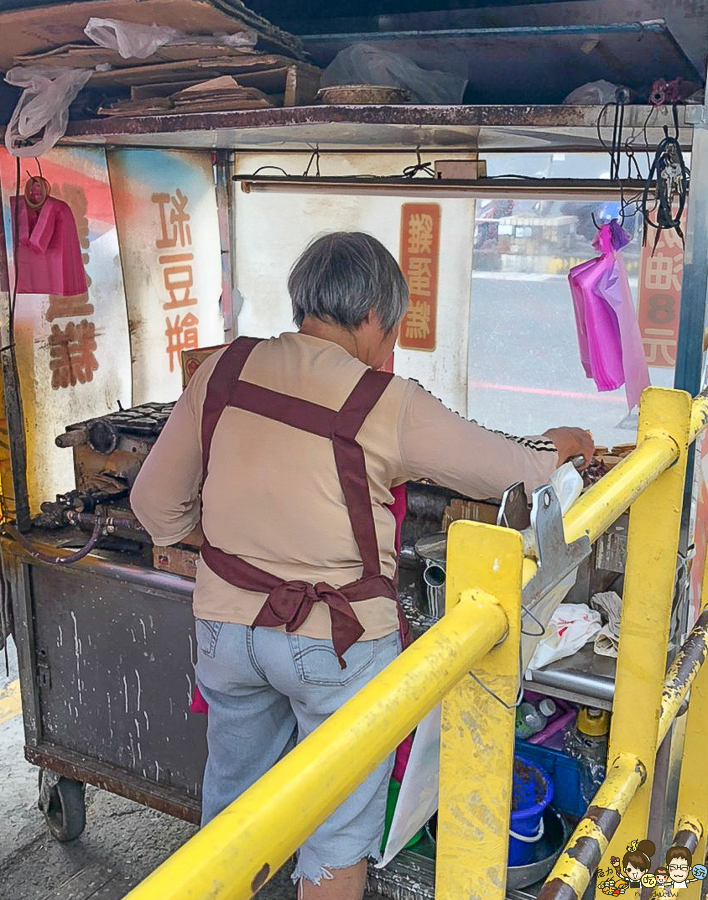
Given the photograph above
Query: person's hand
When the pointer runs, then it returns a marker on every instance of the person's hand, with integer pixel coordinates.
(572, 442)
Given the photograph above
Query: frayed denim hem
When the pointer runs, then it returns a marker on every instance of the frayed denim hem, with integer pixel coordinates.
(311, 869)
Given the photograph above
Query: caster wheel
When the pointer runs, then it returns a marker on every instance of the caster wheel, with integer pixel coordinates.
(63, 803)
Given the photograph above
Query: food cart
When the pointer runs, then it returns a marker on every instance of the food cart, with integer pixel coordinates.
(106, 644)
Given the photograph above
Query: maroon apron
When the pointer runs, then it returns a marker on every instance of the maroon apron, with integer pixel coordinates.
(289, 603)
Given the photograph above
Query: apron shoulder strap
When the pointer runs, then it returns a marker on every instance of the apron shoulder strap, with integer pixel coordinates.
(351, 464)
(219, 389)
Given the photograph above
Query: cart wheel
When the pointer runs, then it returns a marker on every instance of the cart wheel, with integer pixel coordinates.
(63, 803)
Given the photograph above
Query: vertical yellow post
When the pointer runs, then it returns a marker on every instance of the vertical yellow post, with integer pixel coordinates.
(654, 526)
(477, 743)
(692, 802)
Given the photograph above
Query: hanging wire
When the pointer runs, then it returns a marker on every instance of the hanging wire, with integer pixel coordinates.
(316, 159)
(420, 166)
(519, 691)
(669, 170)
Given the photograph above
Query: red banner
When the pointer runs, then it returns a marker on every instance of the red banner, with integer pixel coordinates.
(420, 251)
(660, 278)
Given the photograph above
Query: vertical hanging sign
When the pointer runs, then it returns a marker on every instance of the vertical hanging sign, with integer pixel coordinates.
(420, 251)
(168, 227)
(660, 279)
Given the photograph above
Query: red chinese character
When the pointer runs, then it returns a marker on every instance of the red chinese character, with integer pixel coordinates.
(71, 354)
(177, 230)
(68, 307)
(181, 335)
(178, 278)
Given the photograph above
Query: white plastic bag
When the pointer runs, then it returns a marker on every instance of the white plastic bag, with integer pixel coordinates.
(572, 626)
(129, 39)
(44, 104)
(140, 41)
(367, 64)
(418, 797)
(594, 93)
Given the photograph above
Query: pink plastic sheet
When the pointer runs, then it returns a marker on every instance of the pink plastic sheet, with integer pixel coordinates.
(611, 349)
(48, 253)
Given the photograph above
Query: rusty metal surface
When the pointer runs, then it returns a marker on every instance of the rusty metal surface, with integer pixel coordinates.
(682, 673)
(82, 768)
(556, 58)
(461, 127)
(124, 567)
(688, 837)
(107, 675)
(579, 861)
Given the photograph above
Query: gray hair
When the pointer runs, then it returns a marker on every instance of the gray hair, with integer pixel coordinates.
(343, 276)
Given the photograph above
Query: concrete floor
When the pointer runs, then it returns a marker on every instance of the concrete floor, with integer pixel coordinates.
(123, 842)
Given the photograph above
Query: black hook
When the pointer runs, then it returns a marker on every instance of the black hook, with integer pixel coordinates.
(594, 221)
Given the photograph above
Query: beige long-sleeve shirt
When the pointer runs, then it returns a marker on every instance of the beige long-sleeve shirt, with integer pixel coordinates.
(272, 494)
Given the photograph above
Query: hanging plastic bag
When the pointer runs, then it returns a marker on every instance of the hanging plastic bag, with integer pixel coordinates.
(418, 797)
(611, 348)
(42, 112)
(367, 64)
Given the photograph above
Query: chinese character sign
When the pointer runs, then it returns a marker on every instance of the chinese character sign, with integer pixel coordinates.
(420, 249)
(660, 278)
(168, 227)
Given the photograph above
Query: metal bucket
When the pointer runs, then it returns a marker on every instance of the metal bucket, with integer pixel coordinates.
(432, 550)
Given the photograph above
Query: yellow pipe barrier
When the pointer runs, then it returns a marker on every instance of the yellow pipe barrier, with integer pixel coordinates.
(682, 673)
(650, 575)
(477, 737)
(699, 415)
(571, 875)
(235, 854)
(602, 505)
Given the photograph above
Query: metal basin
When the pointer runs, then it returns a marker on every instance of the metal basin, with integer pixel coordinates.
(546, 852)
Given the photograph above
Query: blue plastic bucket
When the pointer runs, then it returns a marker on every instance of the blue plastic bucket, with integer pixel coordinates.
(532, 791)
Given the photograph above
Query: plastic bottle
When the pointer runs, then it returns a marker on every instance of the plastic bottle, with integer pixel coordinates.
(530, 719)
(587, 741)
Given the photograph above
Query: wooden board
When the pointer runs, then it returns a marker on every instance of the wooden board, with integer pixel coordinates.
(88, 56)
(194, 69)
(43, 27)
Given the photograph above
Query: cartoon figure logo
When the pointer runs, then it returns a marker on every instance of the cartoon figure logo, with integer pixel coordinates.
(632, 872)
(678, 863)
(634, 866)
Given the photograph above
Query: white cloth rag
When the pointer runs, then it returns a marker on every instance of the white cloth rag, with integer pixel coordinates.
(609, 605)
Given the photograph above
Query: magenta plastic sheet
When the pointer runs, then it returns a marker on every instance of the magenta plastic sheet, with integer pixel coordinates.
(609, 339)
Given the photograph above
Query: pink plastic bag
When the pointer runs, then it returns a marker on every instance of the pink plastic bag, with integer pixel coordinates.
(611, 348)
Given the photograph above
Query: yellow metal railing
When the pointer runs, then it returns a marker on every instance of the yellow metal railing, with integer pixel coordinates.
(241, 849)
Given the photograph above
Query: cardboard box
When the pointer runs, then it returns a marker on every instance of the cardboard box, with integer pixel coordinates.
(192, 359)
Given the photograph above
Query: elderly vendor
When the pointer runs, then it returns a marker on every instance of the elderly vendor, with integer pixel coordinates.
(285, 451)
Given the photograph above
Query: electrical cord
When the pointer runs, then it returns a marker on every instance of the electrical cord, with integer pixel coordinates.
(669, 171)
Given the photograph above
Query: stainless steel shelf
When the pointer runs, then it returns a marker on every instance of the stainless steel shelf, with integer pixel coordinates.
(585, 678)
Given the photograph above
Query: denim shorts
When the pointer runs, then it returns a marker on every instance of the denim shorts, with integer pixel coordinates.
(267, 690)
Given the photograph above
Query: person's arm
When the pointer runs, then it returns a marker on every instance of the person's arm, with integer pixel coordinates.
(166, 494)
(439, 444)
